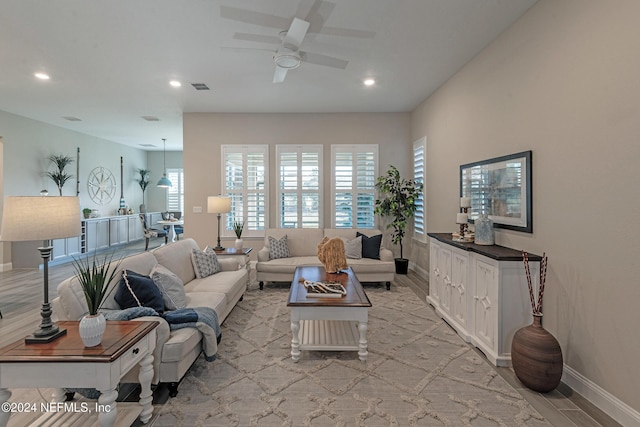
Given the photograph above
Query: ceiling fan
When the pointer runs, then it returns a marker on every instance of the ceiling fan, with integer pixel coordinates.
(288, 56)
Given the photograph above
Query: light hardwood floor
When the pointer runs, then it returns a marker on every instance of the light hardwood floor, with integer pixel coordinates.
(21, 296)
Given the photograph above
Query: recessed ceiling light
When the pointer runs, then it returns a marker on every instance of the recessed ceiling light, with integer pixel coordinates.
(42, 76)
(175, 83)
(369, 82)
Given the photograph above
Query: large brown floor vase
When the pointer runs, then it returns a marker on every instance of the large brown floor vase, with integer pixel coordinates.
(536, 357)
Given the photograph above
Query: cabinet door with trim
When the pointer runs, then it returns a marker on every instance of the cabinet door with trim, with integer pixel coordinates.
(459, 289)
(435, 277)
(485, 304)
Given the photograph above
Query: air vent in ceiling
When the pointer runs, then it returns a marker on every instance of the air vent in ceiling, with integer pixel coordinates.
(151, 118)
(200, 86)
(147, 145)
(72, 119)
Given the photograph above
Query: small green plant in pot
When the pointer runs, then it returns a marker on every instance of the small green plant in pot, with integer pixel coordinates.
(94, 277)
(238, 227)
(86, 212)
(397, 200)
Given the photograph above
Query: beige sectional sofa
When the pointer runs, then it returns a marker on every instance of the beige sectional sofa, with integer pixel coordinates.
(302, 245)
(176, 350)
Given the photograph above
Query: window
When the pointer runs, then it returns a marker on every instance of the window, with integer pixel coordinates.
(245, 180)
(353, 179)
(299, 177)
(175, 193)
(419, 218)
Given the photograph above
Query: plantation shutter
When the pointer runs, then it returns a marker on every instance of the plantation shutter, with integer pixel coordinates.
(299, 174)
(419, 220)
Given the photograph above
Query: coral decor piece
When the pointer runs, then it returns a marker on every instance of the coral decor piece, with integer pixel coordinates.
(332, 255)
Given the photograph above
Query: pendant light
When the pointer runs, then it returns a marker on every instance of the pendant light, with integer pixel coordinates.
(164, 181)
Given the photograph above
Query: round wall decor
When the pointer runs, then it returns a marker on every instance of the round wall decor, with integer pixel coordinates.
(101, 185)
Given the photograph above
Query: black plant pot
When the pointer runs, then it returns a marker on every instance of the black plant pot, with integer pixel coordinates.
(402, 265)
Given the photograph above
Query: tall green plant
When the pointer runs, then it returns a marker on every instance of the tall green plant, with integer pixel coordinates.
(60, 176)
(94, 277)
(143, 181)
(398, 201)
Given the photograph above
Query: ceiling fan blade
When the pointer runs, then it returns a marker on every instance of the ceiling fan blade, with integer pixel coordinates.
(296, 33)
(257, 38)
(253, 17)
(348, 32)
(327, 61)
(316, 12)
(279, 75)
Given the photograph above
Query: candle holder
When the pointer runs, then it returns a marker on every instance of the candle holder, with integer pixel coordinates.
(464, 226)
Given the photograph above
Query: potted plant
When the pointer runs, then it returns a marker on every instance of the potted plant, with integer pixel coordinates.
(94, 277)
(398, 201)
(60, 176)
(143, 181)
(238, 226)
(86, 212)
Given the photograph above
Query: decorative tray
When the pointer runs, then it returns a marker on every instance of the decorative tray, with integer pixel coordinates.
(324, 289)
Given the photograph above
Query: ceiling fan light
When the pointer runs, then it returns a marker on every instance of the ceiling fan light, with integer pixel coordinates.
(288, 60)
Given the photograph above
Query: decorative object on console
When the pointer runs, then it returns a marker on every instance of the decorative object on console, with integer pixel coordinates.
(332, 255)
(164, 181)
(94, 278)
(218, 205)
(484, 230)
(27, 218)
(143, 182)
(123, 204)
(238, 226)
(399, 202)
(60, 176)
(536, 355)
(86, 212)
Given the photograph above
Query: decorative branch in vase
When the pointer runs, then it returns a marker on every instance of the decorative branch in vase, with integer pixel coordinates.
(536, 355)
(143, 181)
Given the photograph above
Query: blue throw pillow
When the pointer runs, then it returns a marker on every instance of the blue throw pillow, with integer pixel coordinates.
(136, 290)
(370, 245)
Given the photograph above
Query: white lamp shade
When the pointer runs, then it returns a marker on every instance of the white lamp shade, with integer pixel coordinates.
(28, 218)
(218, 204)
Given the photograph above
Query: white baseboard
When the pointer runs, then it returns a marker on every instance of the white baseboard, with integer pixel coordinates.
(421, 271)
(605, 401)
(6, 267)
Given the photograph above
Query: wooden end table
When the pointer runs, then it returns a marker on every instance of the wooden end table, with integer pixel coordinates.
(66, 362)
(329, 324)
(243, 253)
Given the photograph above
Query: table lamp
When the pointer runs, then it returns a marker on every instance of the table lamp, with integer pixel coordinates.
(29, 218)
(218, 205)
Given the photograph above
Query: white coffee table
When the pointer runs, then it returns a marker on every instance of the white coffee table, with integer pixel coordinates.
(328, 324)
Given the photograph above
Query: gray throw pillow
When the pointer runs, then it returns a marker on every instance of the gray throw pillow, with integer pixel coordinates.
(278, 248)
(205, 263)
(170, 286)
(353, 248)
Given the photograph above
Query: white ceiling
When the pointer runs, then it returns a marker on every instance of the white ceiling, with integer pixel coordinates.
(110, 62)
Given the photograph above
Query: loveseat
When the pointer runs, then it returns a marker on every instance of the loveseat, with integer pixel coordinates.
(176, 350)
(302, 250)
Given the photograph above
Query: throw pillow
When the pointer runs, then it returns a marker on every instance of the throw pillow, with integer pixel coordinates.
(205, 263)
(371, 246)
(137, 290)
(170, 286)
(278, 248)
(353, 248)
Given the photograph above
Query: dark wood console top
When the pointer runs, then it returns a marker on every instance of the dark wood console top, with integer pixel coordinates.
(497, 252)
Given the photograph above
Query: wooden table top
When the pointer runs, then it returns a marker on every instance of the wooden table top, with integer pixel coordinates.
(234, 251)
(119, 337)
(355, 297)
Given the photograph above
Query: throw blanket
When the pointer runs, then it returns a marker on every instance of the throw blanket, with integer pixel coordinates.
(204, 319)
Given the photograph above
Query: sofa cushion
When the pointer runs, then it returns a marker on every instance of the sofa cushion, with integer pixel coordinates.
(176, 257)
(205, 263)
(353, 247)
(371, 246)
(278, 248)
(170, 286)
(142, 263)
(137, 290)
(180, 343)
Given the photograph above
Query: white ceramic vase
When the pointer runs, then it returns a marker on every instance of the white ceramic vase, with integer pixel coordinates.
(91, 329)
(239, 244)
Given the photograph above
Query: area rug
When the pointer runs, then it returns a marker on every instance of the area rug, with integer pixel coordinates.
(419, 373)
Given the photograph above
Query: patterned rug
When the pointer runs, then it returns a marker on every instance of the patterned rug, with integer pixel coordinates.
(419, 373)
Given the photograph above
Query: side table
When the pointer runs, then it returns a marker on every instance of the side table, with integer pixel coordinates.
(66, 362)
(244, 259)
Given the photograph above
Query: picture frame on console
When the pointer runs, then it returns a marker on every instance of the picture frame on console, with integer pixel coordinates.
(501, 188)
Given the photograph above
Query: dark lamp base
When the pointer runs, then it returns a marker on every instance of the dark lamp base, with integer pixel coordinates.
(219, 248)
(43, 337)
